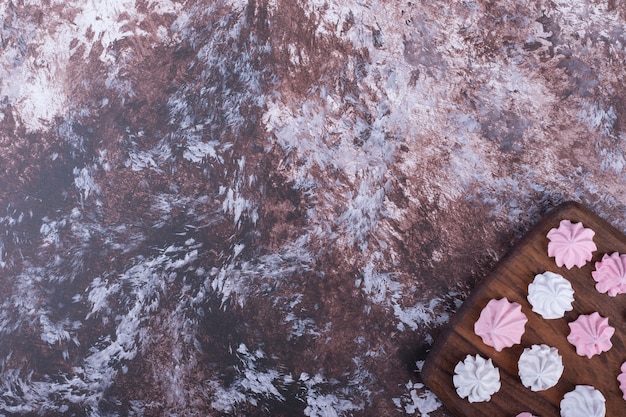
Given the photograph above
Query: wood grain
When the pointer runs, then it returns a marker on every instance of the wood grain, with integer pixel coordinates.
(510, 279)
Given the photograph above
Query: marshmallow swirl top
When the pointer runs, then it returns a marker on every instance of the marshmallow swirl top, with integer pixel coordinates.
(476, 379)
(540, 367)
(571, 244)
(610, 274)
(591, 334)
(622, 380)
(584, 401)
(501, 324)
(551, 295)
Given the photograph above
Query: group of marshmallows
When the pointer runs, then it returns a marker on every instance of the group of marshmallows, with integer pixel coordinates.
(501, 325)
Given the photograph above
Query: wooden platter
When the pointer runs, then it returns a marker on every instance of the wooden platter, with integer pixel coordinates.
(510, 279)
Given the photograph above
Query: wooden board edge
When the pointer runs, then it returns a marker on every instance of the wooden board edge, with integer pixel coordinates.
(429, 365)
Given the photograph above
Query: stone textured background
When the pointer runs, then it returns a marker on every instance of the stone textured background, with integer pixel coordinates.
(215, 208)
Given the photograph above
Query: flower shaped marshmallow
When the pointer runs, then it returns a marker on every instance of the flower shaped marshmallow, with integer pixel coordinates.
(584, 401)
(622, 380)
(550, 295)
(591, 334)
(571, 244)
(610, 274)
(540, 367)
(476, 379)
(501, 324)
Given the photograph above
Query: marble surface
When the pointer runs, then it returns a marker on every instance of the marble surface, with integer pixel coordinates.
(258, 208)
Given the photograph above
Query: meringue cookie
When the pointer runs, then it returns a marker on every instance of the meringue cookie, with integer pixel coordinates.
(476, 379)
(525, 415)
(501, 324)
(591, 334)
(610, 274)
(571, 244)
(584, 401)
(540, 367)
(550, 295)
(622, 380)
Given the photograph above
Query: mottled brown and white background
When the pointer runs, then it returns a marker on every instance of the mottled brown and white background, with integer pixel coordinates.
(271, 208)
